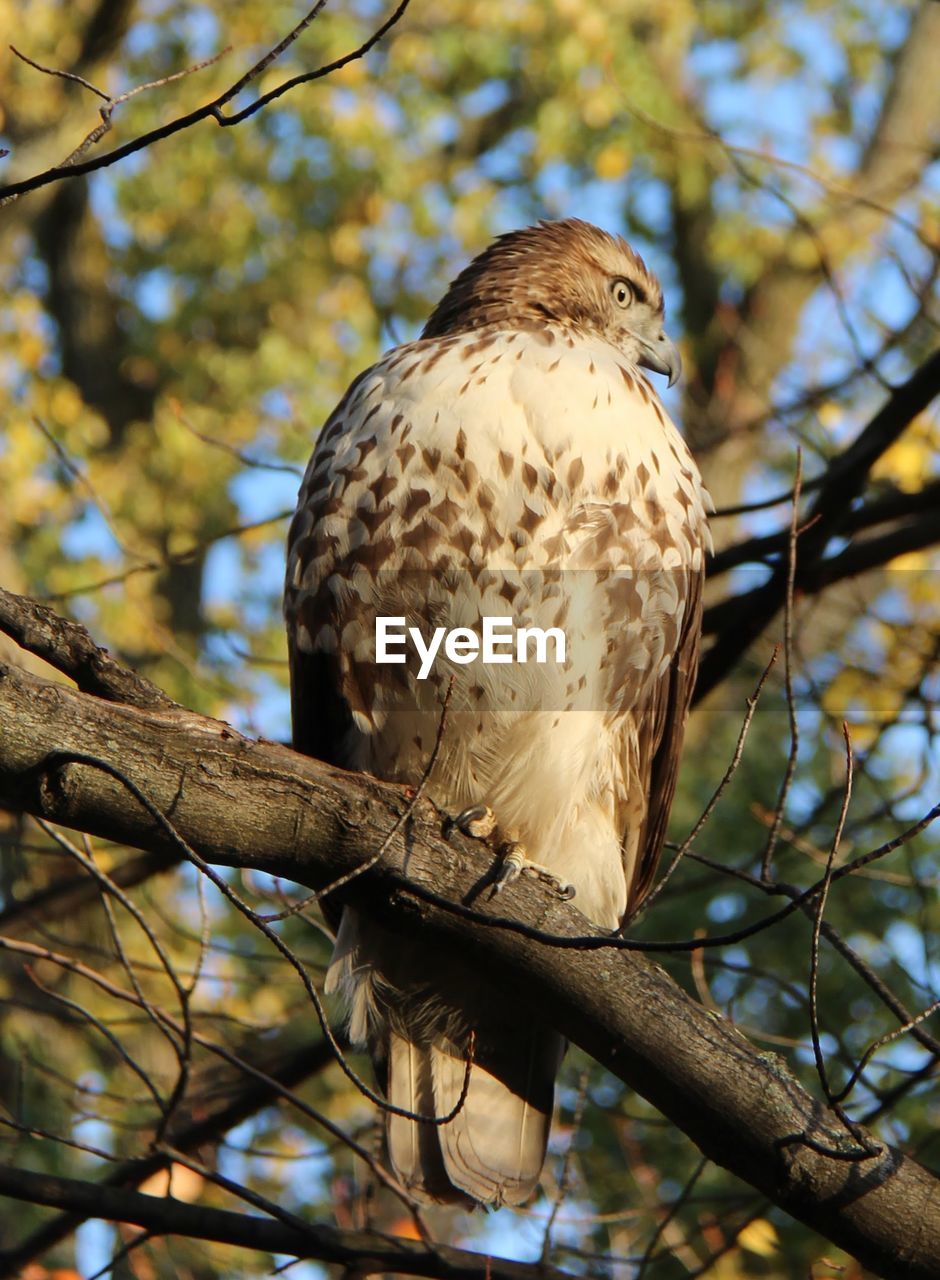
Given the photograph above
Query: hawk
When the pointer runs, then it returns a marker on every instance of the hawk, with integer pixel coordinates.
(512, 462)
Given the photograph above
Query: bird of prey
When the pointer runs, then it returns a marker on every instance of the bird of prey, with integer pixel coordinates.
(514, 462)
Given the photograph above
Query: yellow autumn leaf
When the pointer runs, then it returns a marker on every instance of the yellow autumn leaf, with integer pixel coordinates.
(829, 413)
(612, 161)
(346, 243)
(65, 404)
(352, 75)
(759, 1237)
(31, 350)
(598, 108)
(909, 460)
(912, 561)
(803, 251)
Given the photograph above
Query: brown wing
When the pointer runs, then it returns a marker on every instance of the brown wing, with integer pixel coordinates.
(320, 715)
(321, 692)
(667, 729)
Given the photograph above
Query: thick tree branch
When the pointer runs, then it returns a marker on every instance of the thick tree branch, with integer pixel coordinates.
(741, 620)
(69, 648)
(885, 508)
(243, 803)
(863, 556)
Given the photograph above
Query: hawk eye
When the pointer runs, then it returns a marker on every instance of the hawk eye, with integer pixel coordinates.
(622, 292)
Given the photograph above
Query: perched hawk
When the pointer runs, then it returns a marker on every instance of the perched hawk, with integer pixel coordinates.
(513, 462)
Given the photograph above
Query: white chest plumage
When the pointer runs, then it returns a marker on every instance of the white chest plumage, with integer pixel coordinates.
(531, 475)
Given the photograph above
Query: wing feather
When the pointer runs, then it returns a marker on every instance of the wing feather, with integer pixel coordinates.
(667, 724)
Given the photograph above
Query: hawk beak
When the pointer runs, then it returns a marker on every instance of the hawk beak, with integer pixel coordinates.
(662, 356)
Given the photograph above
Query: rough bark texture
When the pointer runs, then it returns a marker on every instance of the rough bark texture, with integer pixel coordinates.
(243, 803)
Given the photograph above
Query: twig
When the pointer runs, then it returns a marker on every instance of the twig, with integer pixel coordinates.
(256, 464)
(107, 111)
(794, 751)
(764, 504)
(716, 794)
(402, 818)
(105, 888)
(887, 1038)
(213, 109)
(120, 1254)
(309, 76)
(79, 476)
(670, 1214)
(707, 135)
(155, 812)
(176, 557)
(564, 1180)
(277, 1087)
(869, 1147)
(62, 75)
(85, 1014)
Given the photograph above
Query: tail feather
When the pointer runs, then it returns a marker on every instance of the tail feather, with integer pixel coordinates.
(493, 1150)
(413, 1148)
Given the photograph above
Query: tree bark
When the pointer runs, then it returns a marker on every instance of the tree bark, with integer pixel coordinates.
(249, 804)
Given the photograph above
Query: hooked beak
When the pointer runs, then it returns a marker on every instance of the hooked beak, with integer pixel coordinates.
(662, 356)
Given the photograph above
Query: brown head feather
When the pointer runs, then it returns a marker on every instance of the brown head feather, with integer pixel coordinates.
(555, 271)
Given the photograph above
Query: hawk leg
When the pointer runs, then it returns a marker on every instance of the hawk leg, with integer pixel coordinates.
(515, 863)
(479, 822)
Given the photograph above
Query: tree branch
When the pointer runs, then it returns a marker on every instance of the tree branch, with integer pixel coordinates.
(743, 618)
(69, 648)
(885, 508)
(362, 1252)
(860, 557)
(221, 1098)
(250, 804)
(211, 109)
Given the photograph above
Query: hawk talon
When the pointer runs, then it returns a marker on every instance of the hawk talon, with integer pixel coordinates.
(512, 865)
(515, 863)
(477, 821)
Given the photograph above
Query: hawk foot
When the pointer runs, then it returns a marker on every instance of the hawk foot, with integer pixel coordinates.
(515, 863)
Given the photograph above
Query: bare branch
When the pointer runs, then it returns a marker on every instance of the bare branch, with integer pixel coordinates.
(73, 167)
(743, 618)
(716, 795)
(69, 648)
(889, 505)
(361, 1252)
(793, 754)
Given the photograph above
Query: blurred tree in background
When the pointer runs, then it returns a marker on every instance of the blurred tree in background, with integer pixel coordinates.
(176, 328)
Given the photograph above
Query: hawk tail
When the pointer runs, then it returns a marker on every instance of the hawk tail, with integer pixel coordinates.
(493, 1150)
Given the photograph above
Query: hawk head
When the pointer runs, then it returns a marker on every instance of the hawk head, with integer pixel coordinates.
(566, 273)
